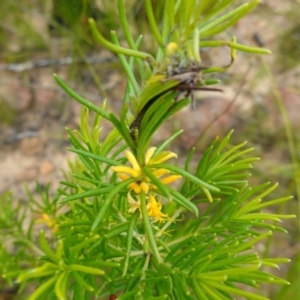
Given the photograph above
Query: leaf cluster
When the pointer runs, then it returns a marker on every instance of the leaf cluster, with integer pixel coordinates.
(102, 250)
(205, 249)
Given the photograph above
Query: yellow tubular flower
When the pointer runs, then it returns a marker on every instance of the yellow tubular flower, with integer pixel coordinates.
(154, 210)
(160, 172)
(124, 169)
(143, 183)
(122, 176)
(132, 160)
(161, 157)
(149, 154)
(166, 180)
(145, 187)
(170, 179)
(135, 187)
(46, 219)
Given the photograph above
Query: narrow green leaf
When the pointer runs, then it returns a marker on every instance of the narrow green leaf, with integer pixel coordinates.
(129, 37)
(228, 272)
(124, 132)
(148, 228)
(152, 23)
(82, 282)
(270, 203)
(129, 241)
(36, 295)
(198, 291)
(35, 273)
(85, 210)
(156, 182)
(250, 243)
(237, 46)
(126, 66)
(117, 230)
(130, 295)
(167, 142)
(188, 160)
(95, 156)
(219, 20)
(231, 21)
(85, 269)
(182, 201)
(45, 247)
(113, 192)
(61, 285)
(80, 99)
(117, 49)
(187, 175)
(90, 193)
(211, 293)
(235, 291)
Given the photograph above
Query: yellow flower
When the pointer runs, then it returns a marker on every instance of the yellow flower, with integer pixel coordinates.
(46, 219)
(143, 182)
(171, 48)
(154, 210)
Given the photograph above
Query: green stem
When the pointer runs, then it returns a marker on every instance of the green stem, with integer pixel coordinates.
(130, 232)
(148, 228)
(196, 47)
(146, 265)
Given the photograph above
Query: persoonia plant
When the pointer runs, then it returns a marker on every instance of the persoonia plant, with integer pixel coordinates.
(133, 225)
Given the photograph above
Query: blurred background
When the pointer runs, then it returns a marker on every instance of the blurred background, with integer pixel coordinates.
(260, 99)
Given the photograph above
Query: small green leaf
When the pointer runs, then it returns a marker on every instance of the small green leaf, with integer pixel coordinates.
(90, 193)
(187, 175)
(45, 247)
(85, 269)
(80, 99)
(36, 295)
(82, 282)
(113, 192)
